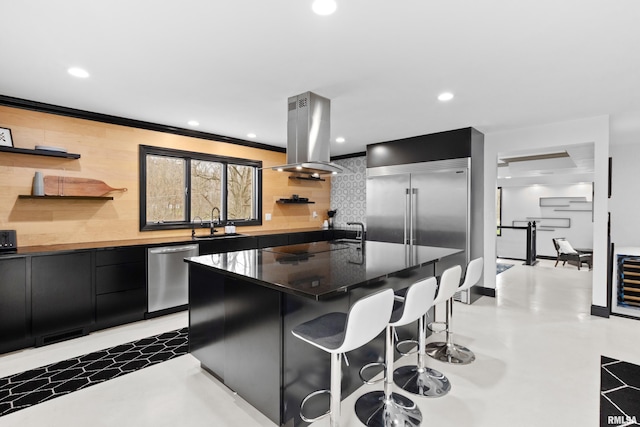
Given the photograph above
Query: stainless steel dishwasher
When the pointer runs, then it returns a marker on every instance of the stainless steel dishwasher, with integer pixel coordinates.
(168, 276)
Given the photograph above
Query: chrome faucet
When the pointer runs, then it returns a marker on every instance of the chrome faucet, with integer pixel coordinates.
(193, 226)
(213, 222)
(360, 234)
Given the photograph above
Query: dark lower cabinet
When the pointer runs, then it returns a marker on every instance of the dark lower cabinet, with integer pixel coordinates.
(273, 240)
(46, 298)
(234, 331)
(121, 294)
(15, 321)
(62, 296)
(118, 308)
(216, 246)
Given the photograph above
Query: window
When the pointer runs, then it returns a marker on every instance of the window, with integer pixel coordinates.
(180, 187)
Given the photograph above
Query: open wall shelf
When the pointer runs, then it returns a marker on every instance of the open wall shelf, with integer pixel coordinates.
(293, 202)
(27, 196)
(45, 153)
(306, 178)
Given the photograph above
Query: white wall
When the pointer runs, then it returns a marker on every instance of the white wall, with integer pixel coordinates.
(625, 197)
(519, 203)
(594, 130)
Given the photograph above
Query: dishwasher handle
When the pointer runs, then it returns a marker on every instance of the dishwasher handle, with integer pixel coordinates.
(172, 249)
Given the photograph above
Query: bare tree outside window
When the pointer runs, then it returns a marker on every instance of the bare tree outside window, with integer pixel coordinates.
(165, 188)
(206, 188)
(240, 187)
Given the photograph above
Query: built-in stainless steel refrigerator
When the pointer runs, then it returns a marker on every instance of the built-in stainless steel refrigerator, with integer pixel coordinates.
(424, 204)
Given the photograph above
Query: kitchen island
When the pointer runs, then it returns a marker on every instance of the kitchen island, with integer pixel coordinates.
(243, 306)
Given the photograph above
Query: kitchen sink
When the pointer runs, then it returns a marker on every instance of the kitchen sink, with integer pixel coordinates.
(343, 241)
(217, 236)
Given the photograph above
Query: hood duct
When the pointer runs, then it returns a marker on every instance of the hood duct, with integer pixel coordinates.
(308, 136)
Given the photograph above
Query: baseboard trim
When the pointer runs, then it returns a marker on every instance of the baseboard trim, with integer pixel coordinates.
(598, 310)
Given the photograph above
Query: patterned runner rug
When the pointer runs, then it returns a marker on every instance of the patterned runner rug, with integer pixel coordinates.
(38, 385)
(500, 267)
(619, 393)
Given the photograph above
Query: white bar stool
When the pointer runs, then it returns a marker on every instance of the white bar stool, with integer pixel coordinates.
(338, 333)
(419, 379)
(385, 408)
(448, 351)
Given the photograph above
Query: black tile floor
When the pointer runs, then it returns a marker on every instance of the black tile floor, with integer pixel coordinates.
(619, 393)
(31, 387)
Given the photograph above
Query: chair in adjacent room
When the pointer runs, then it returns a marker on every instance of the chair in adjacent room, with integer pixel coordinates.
(566, 252)
(338, 333)
(384, 407)
(448, 351)
(420, 379)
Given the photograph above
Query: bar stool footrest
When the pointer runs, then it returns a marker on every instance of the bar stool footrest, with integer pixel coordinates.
(371, 365)
(437, 327)
(304, 401)
(409, 353)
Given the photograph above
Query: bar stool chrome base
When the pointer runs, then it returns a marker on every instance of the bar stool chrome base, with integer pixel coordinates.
(450, 353)
(425, 382)
(374, 411)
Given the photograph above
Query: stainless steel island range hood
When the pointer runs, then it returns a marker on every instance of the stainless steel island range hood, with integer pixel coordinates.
(308, 136)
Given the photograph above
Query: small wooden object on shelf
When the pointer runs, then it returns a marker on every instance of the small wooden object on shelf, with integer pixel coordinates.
(71, 186)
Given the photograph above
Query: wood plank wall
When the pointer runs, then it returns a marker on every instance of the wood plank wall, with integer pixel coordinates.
(110, 153)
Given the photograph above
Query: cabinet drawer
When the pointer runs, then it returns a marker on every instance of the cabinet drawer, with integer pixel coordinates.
(118, 308)
(121, 255)
(120, 277)
(308, 237)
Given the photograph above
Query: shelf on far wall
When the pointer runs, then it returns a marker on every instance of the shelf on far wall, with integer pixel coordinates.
(28, 196)
(293, 202)
(306, 178)
(46, 153)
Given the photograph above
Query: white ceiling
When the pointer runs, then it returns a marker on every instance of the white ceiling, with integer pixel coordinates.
(576, 167)
(232, 64)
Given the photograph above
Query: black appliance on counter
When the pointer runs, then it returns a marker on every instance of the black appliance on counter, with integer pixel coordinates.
(8, 241)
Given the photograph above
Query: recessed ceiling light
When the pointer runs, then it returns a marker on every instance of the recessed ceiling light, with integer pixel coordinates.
(78, 72)
(280, 169)
(324, 7)
(507, 177)
(340, 139)
(251, 135)
(193, 123)
(299, 168)
(445, 96)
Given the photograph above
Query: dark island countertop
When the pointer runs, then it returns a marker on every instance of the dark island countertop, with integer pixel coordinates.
(321, 270)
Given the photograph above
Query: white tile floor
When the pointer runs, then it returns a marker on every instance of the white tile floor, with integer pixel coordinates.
(537, 364)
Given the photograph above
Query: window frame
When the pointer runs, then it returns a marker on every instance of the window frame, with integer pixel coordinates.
(146, 150)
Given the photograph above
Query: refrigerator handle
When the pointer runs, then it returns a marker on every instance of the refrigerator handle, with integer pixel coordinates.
(407, 207)
(414, 213)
